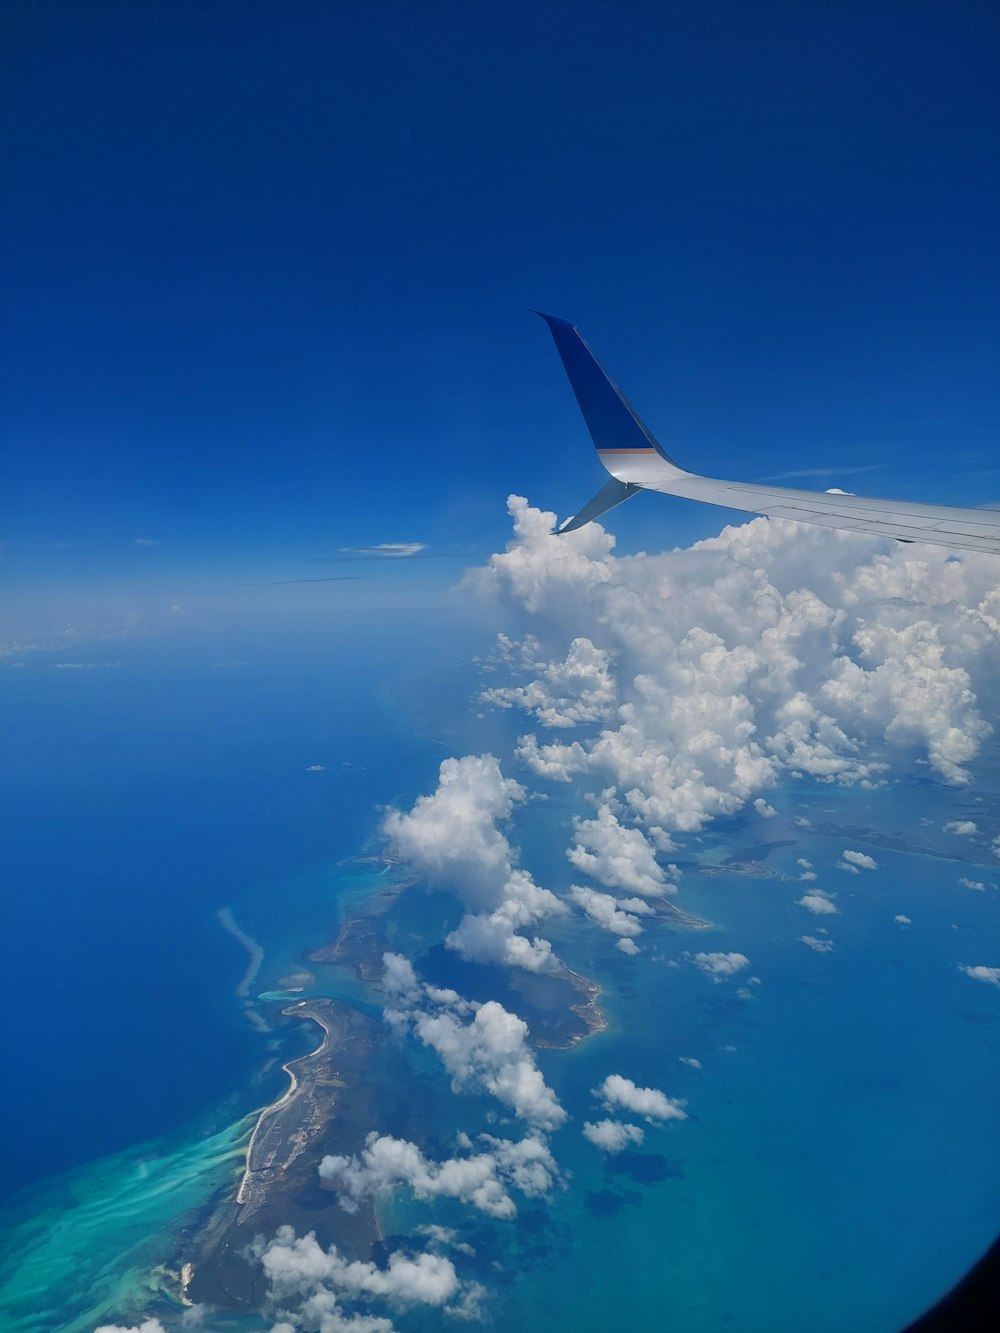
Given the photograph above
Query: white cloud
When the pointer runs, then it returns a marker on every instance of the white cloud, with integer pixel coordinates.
(576, 690)
(316, 768)
(616, 856)
(903, 920)
(604, 909)
(147, 1326)
(447, 1236)
(628, 946)
(386, 550)
(84, 666)
(690, 1060)
(991, 975)
(481, 1045)
(482, 1178)
(964, 828)
(857, 861)
(452, 838)
(720, 965)
(763, 809)
(193, 1317)
(653, 1105)
(769, 648)
(557, 762)
(817, 945)
(299, 1270)
(807, 876)
(972, 883)
(611, 1135)
(817, 901)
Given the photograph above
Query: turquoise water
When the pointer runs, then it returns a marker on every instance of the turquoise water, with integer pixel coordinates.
(839, 1167)
(96, 1241)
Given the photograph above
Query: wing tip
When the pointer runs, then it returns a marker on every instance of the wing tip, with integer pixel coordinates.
(554, 321)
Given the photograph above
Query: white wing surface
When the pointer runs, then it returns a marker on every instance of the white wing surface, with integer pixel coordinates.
(637, 462)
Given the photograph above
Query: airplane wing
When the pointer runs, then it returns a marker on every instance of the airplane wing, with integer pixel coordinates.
(637, 462)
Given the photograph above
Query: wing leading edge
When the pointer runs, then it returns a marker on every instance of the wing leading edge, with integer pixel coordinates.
(636, 461)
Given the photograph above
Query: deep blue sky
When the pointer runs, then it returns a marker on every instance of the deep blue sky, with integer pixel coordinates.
(268, 271)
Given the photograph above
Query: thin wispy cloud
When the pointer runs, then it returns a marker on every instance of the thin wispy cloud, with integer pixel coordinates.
(326, 578)
(391, 551)
(386, 550)
(145, 541)
(804, 472)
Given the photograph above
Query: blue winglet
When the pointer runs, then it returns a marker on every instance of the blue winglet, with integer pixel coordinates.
(611, 419)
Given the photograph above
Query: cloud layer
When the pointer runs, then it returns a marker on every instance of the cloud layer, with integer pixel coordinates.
(702, 676)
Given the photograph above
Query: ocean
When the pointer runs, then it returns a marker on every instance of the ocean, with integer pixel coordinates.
(839, 1164)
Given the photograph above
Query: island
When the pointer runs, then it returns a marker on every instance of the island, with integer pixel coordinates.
(325, 1109)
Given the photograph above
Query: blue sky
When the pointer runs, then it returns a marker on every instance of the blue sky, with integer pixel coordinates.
(268, 273)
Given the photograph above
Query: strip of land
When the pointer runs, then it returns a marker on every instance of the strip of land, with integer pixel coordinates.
(286, 1128)
(326, 1108)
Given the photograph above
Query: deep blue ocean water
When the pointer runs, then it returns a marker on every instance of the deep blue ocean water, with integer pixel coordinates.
(143, 798)
(839, 1168)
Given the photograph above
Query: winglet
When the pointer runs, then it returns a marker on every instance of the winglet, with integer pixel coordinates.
(614, 493)
(613, 423)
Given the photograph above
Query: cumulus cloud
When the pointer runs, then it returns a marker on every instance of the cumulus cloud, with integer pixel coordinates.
(964, 828)
(482, 1046)
(452, 837)
(972, 883)
(818, 902)
(816, 944)
(628, 946)
(619, 857)
(481, 1178)
(605, 910)
(771, 648)
(612, 1135)
(991, 975)
(902, 920)
(147, 1326)
(308, 1285)
(719, 965)
(652, 1104)
(763, 809)
(578, 689)
(690, 1060)
(856, 862)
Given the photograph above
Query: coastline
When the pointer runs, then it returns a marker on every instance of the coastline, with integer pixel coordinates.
(300, 1010)
(324, 1109)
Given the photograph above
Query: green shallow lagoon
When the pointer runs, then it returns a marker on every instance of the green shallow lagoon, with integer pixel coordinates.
(89, 1246)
